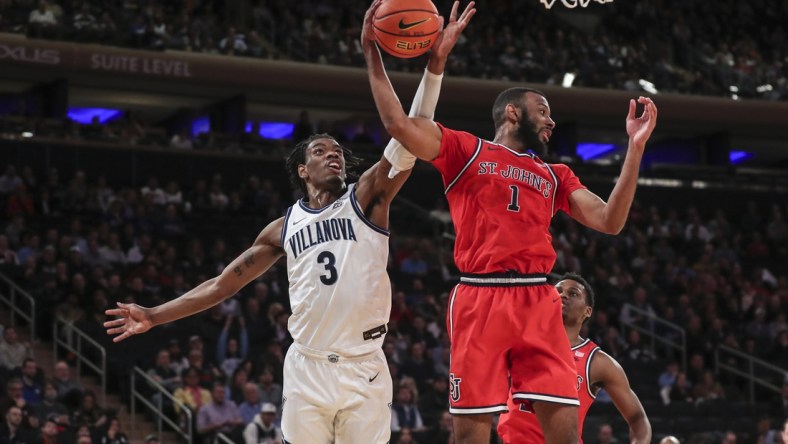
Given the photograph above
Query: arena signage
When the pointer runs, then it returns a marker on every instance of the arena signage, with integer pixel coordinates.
(31, 55)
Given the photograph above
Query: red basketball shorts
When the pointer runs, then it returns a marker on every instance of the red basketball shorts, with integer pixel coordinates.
(502, 328)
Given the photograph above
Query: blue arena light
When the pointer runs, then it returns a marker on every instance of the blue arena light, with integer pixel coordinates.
(590, 151)
(85, 115)
(276, 130)
(739, 156)
(271, 130)
(201, 125)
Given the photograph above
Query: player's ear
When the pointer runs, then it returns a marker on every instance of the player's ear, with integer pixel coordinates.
(302, 171)
(512, 113)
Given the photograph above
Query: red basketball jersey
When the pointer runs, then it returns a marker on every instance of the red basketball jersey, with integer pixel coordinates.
(501, 202)
(520, 425)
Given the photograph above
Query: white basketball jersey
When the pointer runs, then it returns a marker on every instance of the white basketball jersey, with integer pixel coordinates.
(340, 292)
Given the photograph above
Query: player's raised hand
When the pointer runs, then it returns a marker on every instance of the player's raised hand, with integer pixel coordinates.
(448, 37)
(640, 128)
(367, 31)
(132, 320)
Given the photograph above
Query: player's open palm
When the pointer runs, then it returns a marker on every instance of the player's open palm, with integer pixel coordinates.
(640, 128)
(132, 320)
(451, 33)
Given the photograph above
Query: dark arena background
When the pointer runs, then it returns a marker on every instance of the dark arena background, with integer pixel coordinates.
(142, 148)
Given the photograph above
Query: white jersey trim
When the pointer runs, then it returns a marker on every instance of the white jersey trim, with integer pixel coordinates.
(477, 410)
(360, 214)
(588, 372)
(585, 341)
(284, 226)
(467, 165)
(555, 190)
(548, 398)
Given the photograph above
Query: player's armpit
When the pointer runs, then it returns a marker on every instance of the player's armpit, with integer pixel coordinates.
(590, 210)
(375, 190)
(608, 374)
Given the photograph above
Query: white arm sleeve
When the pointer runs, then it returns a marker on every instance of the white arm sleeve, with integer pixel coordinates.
(424, 104)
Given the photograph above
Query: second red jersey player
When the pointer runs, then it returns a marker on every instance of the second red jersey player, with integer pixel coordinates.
(595, 370)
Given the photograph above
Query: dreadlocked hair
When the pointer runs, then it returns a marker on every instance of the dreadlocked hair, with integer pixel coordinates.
(298, 157)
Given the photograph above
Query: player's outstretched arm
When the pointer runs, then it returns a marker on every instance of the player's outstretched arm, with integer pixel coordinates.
(608, 374)
(134, 319)
(427, 94)
(609, 217)
(420, 136)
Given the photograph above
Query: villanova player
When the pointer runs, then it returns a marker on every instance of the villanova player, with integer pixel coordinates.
(504, 320)
(596, 370)
(337, 386)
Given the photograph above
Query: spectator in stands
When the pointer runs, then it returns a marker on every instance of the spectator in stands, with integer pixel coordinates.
(432, 402)
(230, 352)
(9, 181)
(191, 394)
(7, 254)
(181, 140)
(406, 437)
(262, 430)
(666, 380)
(69, 391)
(50, 407)
(13, 352)
(20, 203)
(220, 415)
(635, 350)
(207, 372)
(113, 434)
(405, 413)
(49, 432)
(32, 382)
(237, 384)
(681, 390)
(605, 435)
(708, 388)
(729, 437)
(780, 406)
(89, 412)
(163, 373)
(418, 365)
(233, 43)
(270, 391)
(12, 430)
(112, 252)
(251, 404)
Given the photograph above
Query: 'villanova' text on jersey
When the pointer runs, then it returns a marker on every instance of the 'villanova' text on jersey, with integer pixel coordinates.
(319, 232)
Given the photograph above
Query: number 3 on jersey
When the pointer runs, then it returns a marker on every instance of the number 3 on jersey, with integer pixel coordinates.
(514, 205)
(328, 260)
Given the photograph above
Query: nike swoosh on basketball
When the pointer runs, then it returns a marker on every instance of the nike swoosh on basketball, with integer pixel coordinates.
(403, 26)
(296, 222)
(373, 378)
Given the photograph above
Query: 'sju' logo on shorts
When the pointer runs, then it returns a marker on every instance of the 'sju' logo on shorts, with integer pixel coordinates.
(454, 387)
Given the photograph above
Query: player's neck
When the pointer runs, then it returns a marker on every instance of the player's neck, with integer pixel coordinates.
(574, 336)
(318, 199)
(508, 138)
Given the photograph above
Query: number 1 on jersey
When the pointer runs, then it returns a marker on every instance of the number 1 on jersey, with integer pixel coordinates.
(515, 203)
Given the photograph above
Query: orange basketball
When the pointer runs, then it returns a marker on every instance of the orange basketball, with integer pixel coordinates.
(406, 28)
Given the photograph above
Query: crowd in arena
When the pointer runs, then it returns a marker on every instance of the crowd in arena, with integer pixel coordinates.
(677, 47)
(79, 245)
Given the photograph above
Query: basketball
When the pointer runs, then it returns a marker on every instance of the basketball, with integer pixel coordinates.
(406, 28)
